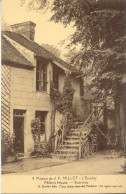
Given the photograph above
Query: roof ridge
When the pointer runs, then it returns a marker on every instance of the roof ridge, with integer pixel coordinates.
(2, 36)
(41, 50)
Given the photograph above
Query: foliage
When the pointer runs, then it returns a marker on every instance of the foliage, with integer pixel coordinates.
(100, 29)
(7, 141)
(35, 128)
(70, 55)
(101, 140)
(67, 95)
(56, 97)
(40, 148)
(101, 32)
(63, 101)
(52, 49)
(124, 167)
(67, 100)
(36, 5)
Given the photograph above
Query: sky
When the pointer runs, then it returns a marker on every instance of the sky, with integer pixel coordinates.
(46, 32)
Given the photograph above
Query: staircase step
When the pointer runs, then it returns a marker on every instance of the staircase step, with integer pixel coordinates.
(64, 156)
(68, 151)
(79, 123)
(73, 141)
(78, 130)
(78, 133)
(79, 126)
(73, 130)
(72, 137)
(76, 146)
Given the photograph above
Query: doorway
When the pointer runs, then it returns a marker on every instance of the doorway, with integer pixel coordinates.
(18, 125)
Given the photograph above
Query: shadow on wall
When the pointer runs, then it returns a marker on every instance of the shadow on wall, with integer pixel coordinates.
(82, 109)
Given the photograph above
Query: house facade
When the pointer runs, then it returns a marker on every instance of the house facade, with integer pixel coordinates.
(27, 71)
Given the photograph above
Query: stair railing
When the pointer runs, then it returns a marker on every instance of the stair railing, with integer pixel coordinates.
(80, 135)
(59, 135)
(93, 121)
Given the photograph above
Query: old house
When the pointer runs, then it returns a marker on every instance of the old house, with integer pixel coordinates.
(27, 71)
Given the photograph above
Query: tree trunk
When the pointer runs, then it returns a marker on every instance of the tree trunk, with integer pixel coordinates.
(53, 125)
(120, 112)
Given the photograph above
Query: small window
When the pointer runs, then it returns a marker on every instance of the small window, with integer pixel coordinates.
(20, 113)
(41, 116)
(41, 78)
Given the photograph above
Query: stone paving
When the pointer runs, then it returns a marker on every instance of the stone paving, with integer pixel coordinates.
(29, 164)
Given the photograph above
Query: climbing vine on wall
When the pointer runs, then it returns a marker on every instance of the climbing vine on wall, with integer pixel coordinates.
(40, 148)
(63, 101)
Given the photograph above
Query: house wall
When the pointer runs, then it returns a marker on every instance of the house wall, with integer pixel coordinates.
(25, 97)
(61, 80)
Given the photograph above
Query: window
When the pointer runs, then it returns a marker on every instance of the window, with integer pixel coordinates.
(20, 113)
(41, 77)
(41, 115)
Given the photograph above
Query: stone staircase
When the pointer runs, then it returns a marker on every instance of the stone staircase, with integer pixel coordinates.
(70, 147)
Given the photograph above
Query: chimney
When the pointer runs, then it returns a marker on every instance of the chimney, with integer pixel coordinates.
(26, 28)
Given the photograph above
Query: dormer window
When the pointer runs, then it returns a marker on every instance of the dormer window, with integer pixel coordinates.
(41, 77)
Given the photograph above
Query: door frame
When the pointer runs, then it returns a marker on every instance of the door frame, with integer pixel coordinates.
(20, 116)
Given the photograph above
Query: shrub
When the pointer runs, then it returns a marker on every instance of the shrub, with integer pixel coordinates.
(40, 148)
(7, 141)
(63, 102)
(124, 167)
(35, 128)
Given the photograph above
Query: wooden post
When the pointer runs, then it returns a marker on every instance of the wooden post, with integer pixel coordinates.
(62, 135)
(79, 148)
(55, 143)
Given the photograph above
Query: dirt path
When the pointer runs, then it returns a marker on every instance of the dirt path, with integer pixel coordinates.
(99, 165)
(30, 164)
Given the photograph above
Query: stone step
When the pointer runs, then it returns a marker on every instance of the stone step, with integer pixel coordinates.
(79, 123)
(76, 129)
(76, 146)
(75, 137)
(68, 151)
(64, 156)
(71, 137)
(79, 126)
(77, 133)
(73, 141)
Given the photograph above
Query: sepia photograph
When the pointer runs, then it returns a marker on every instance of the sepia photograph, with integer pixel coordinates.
(63, 93)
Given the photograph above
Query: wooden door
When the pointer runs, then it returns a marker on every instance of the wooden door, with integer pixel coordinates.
(19, 134)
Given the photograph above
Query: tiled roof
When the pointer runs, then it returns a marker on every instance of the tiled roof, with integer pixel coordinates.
(9, 54)
(37, 49)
